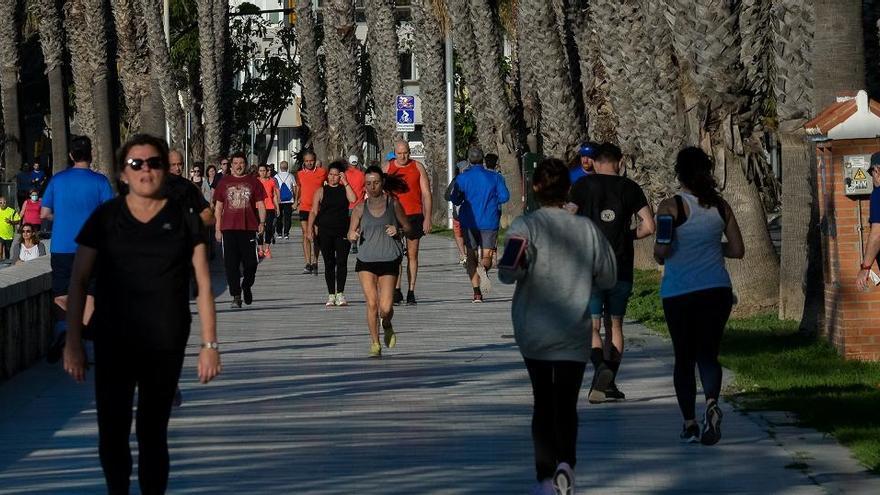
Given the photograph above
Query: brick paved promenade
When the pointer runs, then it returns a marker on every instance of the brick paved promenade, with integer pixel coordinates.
(299, 408)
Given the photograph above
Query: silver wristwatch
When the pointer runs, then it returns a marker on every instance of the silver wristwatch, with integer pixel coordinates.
(211, 345)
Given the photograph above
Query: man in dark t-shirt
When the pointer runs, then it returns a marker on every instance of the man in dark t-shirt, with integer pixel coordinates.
(611, 202)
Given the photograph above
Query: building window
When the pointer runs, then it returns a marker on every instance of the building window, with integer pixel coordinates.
(407, 67)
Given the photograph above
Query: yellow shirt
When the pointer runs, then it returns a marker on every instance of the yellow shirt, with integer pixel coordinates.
(7, 230)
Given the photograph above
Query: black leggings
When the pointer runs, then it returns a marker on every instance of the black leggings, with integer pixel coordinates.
(282, 226)
(555, 387)
(155, 374)
(334, 250)
(696, 323)
(239, 250)
(268, 236)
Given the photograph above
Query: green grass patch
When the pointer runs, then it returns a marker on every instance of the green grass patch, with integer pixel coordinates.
(778, 368)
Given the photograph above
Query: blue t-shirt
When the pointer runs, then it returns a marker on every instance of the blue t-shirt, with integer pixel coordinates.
(37, 176)
(73, 195)
(875, 206)
(480, 193)
(577, 173)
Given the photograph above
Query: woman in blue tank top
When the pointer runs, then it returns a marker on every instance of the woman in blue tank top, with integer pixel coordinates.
(696, 288)
(376, 225)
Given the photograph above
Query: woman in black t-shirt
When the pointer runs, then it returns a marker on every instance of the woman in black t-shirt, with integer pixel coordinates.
(330, 215)
(142, 247)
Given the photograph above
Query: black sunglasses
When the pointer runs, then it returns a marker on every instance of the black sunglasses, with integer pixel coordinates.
(154, 163)
(27, 231)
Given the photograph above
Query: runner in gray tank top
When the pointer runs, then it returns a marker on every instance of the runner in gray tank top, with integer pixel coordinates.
(374, 227)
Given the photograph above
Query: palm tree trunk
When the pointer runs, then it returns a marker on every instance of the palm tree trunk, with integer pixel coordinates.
(385, 64)
(210, 90)
(312, 84)
(429, 52)
(469, 60)
(52, 43)
(223, 70)
(160, 62)
(96, 29)
(9, 68)
(839, 42)
(339, 32)
(78, 39)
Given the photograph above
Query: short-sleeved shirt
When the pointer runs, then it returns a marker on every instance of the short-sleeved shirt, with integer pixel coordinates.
(411, 200)
(309, 182)
(7, 230)
(23, 181)
(239, 196)
(875, 206)
(269, 186)
(577, 173)
(356, 179)
(184, 192)
(142, 273)
(73, 195)
(610, 201)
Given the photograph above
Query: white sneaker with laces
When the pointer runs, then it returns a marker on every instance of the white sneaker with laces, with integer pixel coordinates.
(340, 299)
(485, 283)
(331, 300)
(563, 480)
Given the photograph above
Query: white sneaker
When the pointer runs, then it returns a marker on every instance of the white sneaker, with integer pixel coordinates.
(485, 283)
(563, 480)
(331, 300)
(340, 299)
(544, 487)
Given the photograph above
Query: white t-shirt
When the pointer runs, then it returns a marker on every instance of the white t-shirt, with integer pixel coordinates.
(286, 178)
(29, 253)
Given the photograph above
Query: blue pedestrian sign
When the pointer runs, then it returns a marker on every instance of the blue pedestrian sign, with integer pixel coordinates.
(406, 113)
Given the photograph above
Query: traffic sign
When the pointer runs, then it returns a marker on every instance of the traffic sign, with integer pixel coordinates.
(406, 120)
(406, 102)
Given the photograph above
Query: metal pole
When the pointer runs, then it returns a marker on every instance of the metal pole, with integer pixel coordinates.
(450, 116)
(166, 19)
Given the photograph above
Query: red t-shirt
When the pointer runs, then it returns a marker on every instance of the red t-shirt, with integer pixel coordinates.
(356, 179)
(270, 186)
(411, 201)
(239, 196)
(309, 182)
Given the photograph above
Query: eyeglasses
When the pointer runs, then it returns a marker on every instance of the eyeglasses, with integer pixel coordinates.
(153, 163)
(28, 231)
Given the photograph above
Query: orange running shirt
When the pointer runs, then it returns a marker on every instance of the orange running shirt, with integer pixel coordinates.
(309, 182)
(270, 186)
(356, 179)
(411, 201)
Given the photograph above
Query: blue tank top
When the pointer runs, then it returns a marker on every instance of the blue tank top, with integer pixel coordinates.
(697, 260)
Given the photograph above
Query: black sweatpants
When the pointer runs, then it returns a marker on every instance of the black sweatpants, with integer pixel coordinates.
(268, 236)
(283, 222)
(240, 250)
(334, 250)
(556, 386)
(696, 324)
(155, 375)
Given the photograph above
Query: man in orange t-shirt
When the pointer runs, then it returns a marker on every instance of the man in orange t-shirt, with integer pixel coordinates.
(272, 199)
(310, 178)
(416, 203)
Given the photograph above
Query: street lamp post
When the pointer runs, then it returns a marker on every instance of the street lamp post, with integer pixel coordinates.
(450, 116)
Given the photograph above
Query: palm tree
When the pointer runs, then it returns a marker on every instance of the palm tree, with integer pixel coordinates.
(838, 43)
(9, 39)
(385, 66)
(560, 121)
(52, 43)
(131, 51)
(312, 87)
(430, 24)
(466, 52)
(707, 45)
(95, 32)
(594, 80)
(78, 39)
(210, 88)
(339, 37)
(222, 68)
(160, 62)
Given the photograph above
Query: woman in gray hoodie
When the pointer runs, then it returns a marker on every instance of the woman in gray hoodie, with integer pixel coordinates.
(565, 257)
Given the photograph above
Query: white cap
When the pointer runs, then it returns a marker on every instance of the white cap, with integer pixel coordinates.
(353, 159)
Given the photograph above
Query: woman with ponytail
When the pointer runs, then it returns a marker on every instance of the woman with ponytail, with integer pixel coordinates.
(696, 289)
(374, 227)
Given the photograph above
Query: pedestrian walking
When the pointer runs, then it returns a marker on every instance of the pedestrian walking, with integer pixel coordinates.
(548, 252)
(286, 197)
(355, 178)
(310, 178)
(272, 198)
(416, 202)
(480, 193)
(374, 226)
(141, 247)
(611, 202)
(9, 218)
(696, 288)
(328, 223)
(587, 161)
(241, 216)
(22, 185)
(30, 210)
(873, 246)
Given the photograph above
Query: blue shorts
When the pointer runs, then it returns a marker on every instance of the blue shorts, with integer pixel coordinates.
(611, 302)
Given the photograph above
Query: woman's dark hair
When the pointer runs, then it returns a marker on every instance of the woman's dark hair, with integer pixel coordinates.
(210, 167)
(339, 164)
(551, 182)
(142, 140)
(390, 183)
(694, 170)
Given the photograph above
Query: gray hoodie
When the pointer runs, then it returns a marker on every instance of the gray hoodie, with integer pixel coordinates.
(567, 256)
